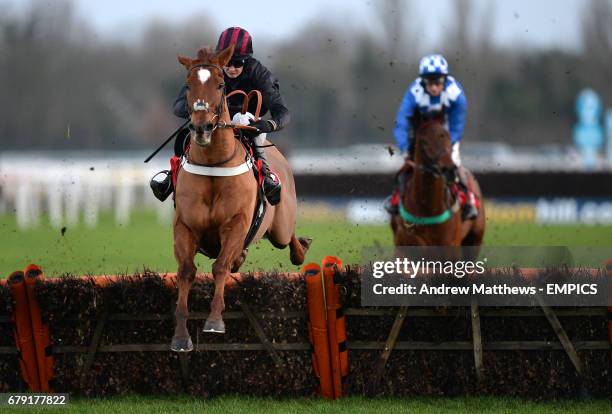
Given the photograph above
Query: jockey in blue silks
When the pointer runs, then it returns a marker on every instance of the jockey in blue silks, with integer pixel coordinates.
(434, 92)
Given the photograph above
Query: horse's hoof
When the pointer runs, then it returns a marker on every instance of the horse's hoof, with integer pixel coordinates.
(181, 344)
(299, 251)
(305, 242)
(216, 326)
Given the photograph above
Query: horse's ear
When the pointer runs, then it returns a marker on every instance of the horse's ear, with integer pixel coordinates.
(185, 61)
(225, 55)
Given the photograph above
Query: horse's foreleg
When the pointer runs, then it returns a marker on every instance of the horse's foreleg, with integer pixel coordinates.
(184, 252)
(231, 236)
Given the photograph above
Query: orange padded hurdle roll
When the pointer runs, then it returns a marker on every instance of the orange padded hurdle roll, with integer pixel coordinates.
(42, 337)
(24, 337)
(317, 329)
(335, 316)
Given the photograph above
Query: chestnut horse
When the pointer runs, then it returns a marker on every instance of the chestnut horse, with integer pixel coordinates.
(430, 214)
(214, 210)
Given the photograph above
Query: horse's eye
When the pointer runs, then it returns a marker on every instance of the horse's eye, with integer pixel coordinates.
(221, 85)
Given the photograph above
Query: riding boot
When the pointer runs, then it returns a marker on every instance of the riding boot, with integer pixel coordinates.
(271, 181)
(469, 210)
(161, 184)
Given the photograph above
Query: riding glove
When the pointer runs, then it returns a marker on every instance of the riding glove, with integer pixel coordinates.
(263, 126)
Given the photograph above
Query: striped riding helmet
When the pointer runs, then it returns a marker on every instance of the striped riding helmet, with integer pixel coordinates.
(240, 38)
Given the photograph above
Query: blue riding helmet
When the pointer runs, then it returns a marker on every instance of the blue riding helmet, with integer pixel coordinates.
(433, 65)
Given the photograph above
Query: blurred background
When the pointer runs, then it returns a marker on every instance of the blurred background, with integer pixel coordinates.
(87, 88)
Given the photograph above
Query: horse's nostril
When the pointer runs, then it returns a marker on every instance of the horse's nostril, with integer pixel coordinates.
(201, 128)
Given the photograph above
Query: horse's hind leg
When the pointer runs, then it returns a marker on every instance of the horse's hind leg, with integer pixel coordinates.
(298, 248)
(232, 238)
(476, 231)
(282, 234)
(184, 252)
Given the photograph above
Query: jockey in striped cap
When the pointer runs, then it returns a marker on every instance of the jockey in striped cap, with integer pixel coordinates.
(243, 72)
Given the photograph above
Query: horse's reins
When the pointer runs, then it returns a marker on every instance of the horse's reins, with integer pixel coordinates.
(212, 169)
(221, 107)
(219, 124)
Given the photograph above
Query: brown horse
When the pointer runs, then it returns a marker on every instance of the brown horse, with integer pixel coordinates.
(214, 210)
(429, 211)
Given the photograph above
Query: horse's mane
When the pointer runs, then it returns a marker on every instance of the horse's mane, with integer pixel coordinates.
(205, 54)
(429, 123)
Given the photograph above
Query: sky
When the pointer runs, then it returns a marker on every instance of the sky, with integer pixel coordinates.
(529, 23)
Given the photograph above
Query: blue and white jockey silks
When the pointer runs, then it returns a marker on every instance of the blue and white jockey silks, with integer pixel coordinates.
(452, 102)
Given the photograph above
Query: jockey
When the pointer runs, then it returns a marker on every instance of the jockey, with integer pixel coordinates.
(246, 73)
(433, 92)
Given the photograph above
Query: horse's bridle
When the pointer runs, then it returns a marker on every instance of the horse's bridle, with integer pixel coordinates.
(431, 167)
(209, 130)
(212, 126)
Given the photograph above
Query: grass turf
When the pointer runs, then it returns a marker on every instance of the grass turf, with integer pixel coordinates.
(147, 243)
(236, 405)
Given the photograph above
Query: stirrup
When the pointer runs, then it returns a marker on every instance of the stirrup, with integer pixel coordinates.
(161, 184)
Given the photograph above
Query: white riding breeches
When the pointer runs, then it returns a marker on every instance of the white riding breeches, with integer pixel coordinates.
(455, 154)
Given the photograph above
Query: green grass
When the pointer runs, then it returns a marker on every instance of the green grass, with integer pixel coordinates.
(236, 405)
(528, 234)
(147, 243)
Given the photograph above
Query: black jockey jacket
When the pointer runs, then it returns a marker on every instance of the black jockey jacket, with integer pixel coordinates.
(254, 76)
